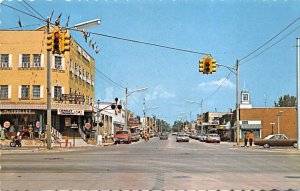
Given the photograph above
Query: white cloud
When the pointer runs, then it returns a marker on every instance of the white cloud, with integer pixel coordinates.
(209, 86)
(160, 92)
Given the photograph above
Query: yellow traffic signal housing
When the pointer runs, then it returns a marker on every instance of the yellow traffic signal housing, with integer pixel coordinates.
(207, 65)
(56, 43)
(65, 42)
(213, 66)
(201, 65)
(50, 38)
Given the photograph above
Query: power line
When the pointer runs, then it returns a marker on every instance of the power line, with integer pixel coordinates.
(145, 43)
(23, 12)
(108, 79)
(270, 46)
(34, 10)
(218, 87)
(270, 39)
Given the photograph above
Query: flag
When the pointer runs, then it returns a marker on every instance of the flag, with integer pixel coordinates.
(67, 24)
(20, 24)
(57, 21)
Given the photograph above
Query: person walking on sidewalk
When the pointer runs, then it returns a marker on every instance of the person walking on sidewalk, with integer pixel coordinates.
(251, 138)
(245, 139)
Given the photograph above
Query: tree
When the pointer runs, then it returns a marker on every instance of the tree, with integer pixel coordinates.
(286, 101)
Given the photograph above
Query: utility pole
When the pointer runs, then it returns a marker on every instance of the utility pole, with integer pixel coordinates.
(48, 93)
(298, 93)
(126, 109)
(237, 106)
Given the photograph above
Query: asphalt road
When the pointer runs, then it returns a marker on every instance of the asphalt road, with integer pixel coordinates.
(154, 165)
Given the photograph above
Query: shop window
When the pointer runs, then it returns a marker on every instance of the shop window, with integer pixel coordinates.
(4, 61)
(3, 91)
(25, 92)
(25, 61)
(36, 92)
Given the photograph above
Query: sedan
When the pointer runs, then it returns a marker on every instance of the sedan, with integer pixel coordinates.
(213, 138)
(163, 136)
(276, 140)
(182, 137)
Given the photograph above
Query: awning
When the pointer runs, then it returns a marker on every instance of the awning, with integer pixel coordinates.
(249, 126)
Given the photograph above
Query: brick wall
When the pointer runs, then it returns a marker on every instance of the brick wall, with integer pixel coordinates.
(269, 115)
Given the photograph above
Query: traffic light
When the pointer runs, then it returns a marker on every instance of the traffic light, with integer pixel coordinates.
(50, 41)
(56, 43)
(201, 65)
(65, 42)
(207, 65)
(213, 66)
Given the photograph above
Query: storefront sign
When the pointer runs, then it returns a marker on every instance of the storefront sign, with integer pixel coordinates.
(87, 125)
(70, 112)
(132, 121)
(16, 111)
(71, 97)
(74, 126)
(6, 124)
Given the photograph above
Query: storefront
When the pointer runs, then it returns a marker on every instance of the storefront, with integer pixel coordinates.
(30, 119)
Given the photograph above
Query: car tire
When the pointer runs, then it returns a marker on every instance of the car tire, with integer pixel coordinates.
(266, 145)
(295, 145)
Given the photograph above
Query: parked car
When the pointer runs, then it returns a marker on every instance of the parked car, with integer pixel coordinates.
(135, 137)
(193, 135)
(203, 137)
(276, 140)
(174, 133)
(198, 136)
(182, 137)
(163, 136)
(213, 138)
(123, 136)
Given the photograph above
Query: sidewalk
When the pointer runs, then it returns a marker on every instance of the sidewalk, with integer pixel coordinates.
(6, 149)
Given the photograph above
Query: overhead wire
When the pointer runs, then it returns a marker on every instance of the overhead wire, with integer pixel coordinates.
(142, 42)
(270, 46)
(23, 12)
(269, 40)
(218, 86)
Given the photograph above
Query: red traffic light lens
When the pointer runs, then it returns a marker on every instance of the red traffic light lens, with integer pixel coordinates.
(56, 35)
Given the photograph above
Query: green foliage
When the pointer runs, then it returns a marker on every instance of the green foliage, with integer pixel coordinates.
(286, 101)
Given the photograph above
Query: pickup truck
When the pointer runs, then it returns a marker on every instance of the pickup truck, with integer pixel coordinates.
(122, 136)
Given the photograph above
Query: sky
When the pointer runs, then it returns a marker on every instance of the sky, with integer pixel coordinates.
(228, 30)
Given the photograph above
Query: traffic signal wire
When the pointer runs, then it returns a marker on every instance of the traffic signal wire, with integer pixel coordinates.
(142, 42)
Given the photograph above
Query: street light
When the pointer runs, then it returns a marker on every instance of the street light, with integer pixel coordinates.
(201, 104)
(126, 102)
(83, 25)
(278, 125)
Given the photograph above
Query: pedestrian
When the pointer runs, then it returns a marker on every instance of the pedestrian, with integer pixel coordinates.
(245, 139)
(251, 138)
